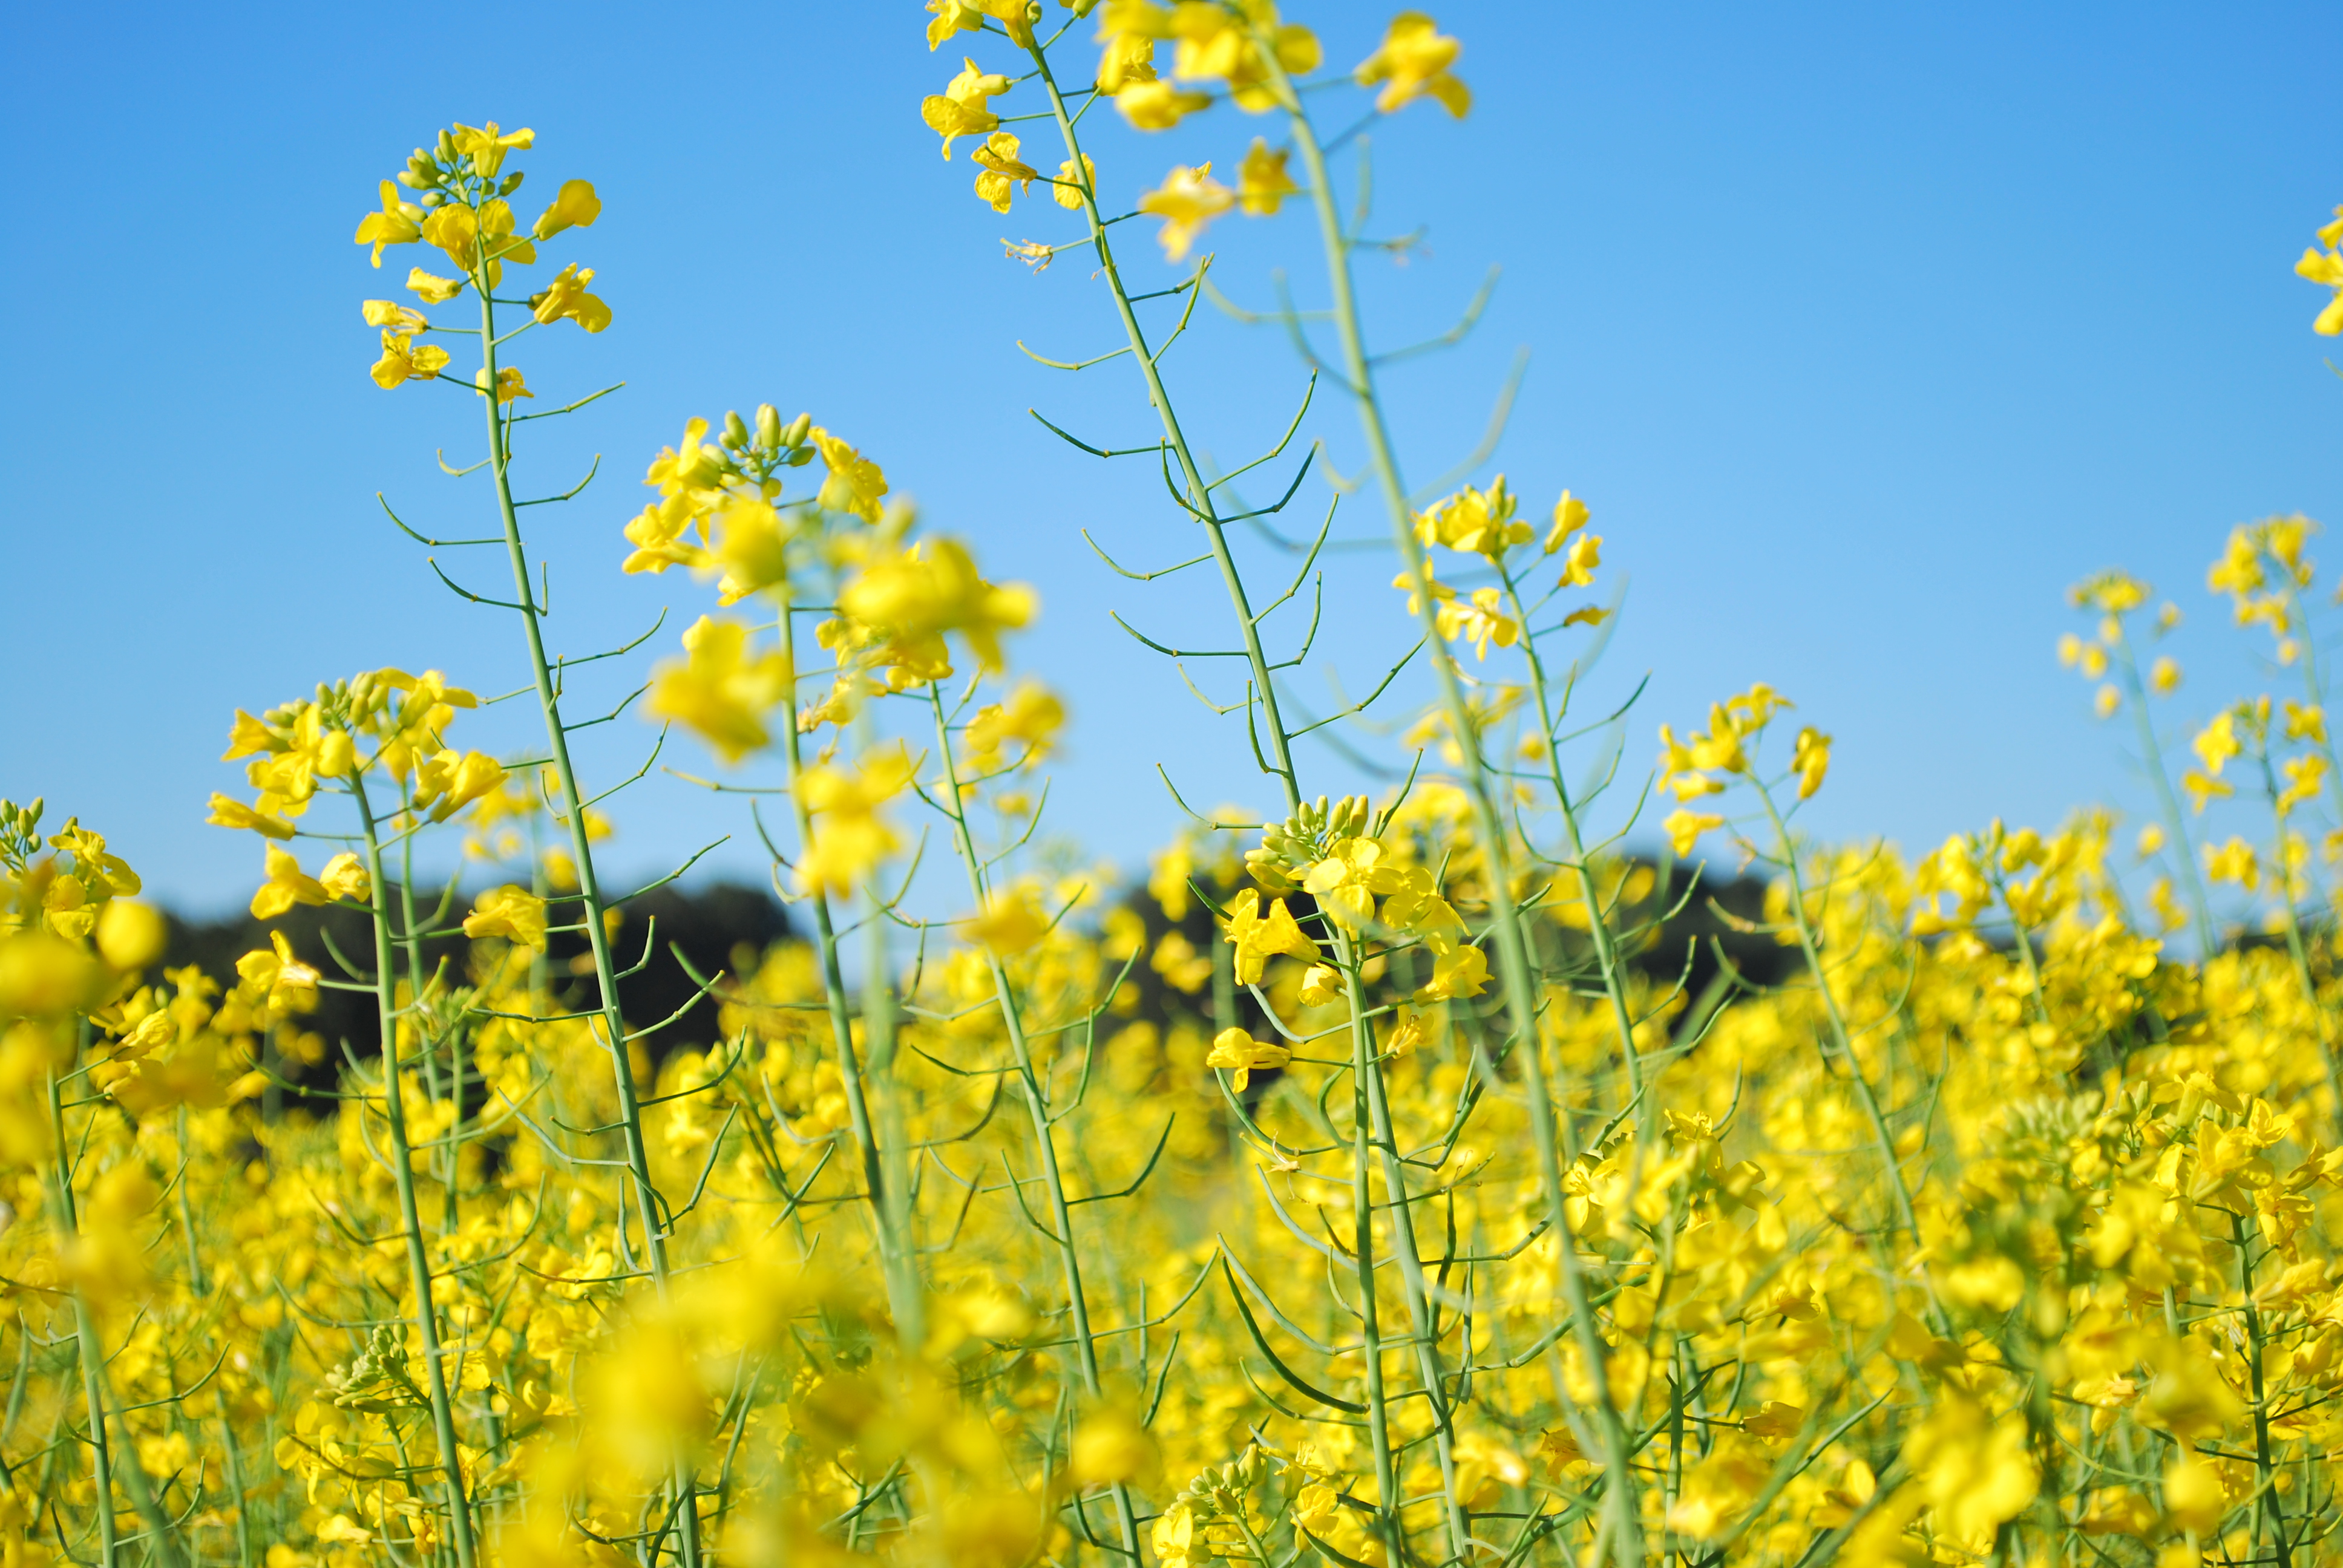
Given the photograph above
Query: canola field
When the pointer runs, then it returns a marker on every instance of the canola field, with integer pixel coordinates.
(1375, 1186)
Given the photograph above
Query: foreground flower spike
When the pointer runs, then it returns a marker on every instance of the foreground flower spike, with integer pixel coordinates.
(460, 207)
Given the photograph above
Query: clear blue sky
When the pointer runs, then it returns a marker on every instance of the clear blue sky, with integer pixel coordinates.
(1867, 330)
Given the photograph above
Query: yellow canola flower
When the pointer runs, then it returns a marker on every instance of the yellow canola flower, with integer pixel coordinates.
(1480, 619)
(952, 16)
(510, 911)
(44, 976)
(2217, 742)
(722, 688)
(1684, 828)
(1578, 563)
(1009, 925)
(854, 483)
(2111, 593)
(1002, 169)
(1111, 1446)
(1976, 1472)
(1413, 62)
(345, 877)
(2305, 776)
(1187, 200)
(479, 242)
(960, 109)
(1259, 934)
(1069, 187)
(657, 533)
(398, 223)
(851, 838)
(447, 781)
(2324, 267)
(391, 315)
(486, 147)
(287, 886)
(1349, 878)
(510, 387)
(1217, 43)
(2194, 1497)
(130, 936)
(402, 361)
(431, 288)
(1811, 761)
(2234, 861)
(928, 589)
(1476, 522)
(574, 207)
(231, 813)
(1031, 717)
(1570, 515)
(1174, 1536)
(1237, 1054)
(751, 543)
(1263, 184)
(1126, 58)
(1718, 1488)
(1462, 971)
(2202, 789)
(1152, 105)
(285, 980)
(566, 298)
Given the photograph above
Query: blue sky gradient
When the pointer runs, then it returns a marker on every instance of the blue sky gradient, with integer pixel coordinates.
(1866, 330)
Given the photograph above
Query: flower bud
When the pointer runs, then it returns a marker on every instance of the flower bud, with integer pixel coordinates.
(736, 430)
(799, 427)
(446, 146)
(769, 426)
(512, 182)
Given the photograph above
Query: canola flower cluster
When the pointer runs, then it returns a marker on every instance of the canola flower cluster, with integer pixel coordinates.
(1377, 1187)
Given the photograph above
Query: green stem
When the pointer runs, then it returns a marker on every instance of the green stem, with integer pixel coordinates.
(1606, 948)
(892, 1250)
(2209, 936)
(1372, 1096)
(1550, 1138)
(1264, 691)
(1037, 1101)
(410, 1221)
(92, 1353)
(1840, 1036)
(2296, 949)
(1200, 496)
(2269, 1512)
(649, 1203)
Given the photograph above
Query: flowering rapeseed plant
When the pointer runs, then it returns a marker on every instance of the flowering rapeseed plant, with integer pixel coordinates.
(1379, 1185)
